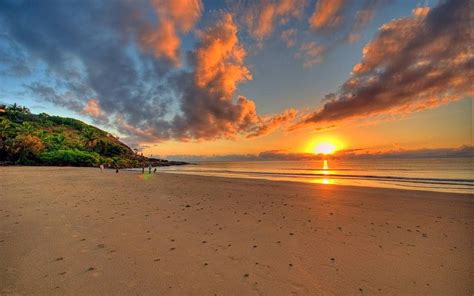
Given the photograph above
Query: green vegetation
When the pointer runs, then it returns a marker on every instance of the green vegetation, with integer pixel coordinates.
(41, 139)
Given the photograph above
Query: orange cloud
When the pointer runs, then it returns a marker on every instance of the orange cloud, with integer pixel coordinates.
(327, 14)
(421, 11)
(311, 53)
(288, 36)
(272, 123)
(219, 59)
(209, 110)
(413, 64)
(174, 17)
(361, 19)
(92, 108)
(162, 41)
(260, 18)
(184, 13)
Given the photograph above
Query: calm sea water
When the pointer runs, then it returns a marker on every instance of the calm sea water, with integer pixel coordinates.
(440, 174)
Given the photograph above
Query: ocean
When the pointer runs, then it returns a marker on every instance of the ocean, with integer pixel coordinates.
(433, 174)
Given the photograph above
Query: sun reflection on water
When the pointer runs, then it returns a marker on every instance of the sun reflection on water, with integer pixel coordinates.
(325, 167)
(325, 172)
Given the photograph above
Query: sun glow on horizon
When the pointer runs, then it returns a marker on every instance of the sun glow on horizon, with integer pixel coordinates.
(325, 148)
(324, 145)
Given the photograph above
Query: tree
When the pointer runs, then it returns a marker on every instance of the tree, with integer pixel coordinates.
(27, 147)
(27, 128)
(8, 133)
(17, 108)
(72, 157)
(90, 138)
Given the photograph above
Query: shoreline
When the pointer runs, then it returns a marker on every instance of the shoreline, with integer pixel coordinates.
(80, 231)
(312, 183)
(288, 182)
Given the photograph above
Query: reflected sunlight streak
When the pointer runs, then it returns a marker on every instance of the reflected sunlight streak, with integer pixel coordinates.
(326, 172)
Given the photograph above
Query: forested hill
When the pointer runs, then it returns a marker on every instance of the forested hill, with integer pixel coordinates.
(41, 139)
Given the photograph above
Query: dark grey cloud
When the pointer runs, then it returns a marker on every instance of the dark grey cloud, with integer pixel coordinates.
(85, 47)
(49, 94)
(13, 60)
(95, 65)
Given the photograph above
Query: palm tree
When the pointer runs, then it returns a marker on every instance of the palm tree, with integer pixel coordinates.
(27, 128)
(17, 108)
(90, 137)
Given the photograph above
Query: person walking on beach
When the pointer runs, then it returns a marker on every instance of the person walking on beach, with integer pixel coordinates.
(154, 171)
(101, 168)
(149, 168)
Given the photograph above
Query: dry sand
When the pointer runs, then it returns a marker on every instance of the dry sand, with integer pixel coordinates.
(80, 231)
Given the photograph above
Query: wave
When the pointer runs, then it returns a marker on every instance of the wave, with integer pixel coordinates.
(439, 181)
(372, 169)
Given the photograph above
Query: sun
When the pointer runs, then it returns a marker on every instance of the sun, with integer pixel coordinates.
(324, 145)
(325, 148)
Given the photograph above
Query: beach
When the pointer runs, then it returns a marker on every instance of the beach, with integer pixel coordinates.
(85, 232)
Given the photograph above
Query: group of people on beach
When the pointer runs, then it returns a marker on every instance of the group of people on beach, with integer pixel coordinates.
(102, 167)
(149, 169)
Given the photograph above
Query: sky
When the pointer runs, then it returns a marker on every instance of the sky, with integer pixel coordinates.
(191, 78)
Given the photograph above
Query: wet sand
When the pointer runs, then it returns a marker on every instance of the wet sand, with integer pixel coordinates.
(79, 231)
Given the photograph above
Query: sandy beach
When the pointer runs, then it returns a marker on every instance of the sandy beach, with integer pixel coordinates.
(79, 231)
